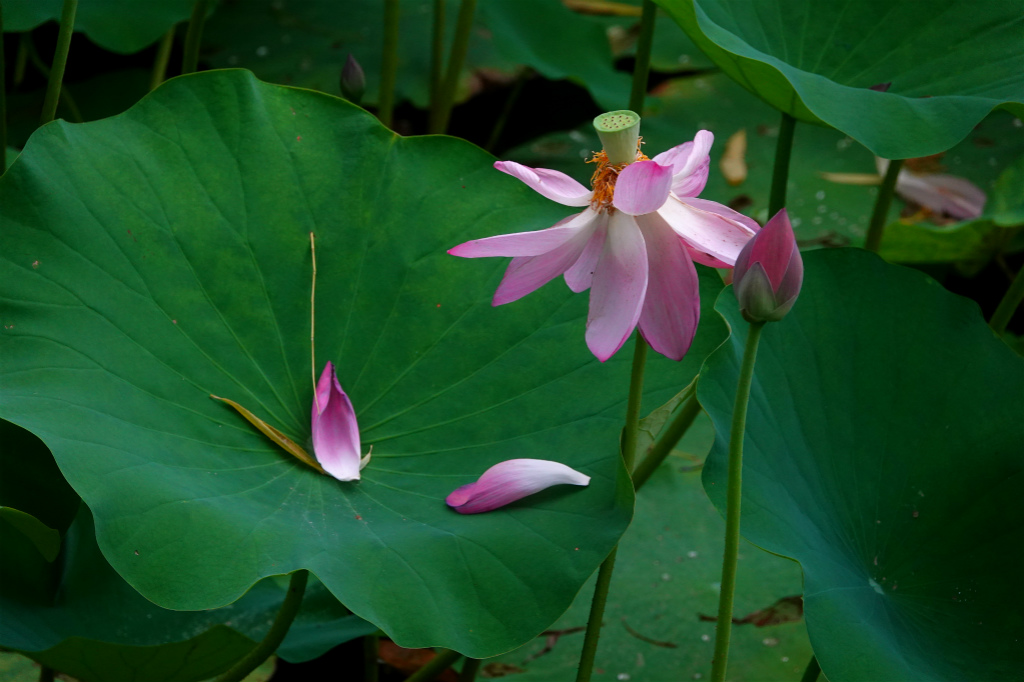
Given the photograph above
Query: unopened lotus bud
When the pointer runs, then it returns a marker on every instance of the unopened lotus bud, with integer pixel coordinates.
(353, 81)
(769, 272)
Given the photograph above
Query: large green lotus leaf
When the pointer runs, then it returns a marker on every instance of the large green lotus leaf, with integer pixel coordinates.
(163, 255)
(817, 61)
(123, 26)
(666, 574)
(883, 452)
(306, 42)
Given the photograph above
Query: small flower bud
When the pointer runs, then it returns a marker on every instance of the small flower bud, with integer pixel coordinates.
(353, 81)
(769, 272)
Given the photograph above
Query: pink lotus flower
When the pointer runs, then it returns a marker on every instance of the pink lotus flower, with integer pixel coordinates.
(509, 481)
(633, 245)
(335, 431)
(769, 272)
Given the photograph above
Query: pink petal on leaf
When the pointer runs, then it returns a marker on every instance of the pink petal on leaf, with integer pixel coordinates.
(620, 282)
(671, 307)
(532, 243)
(526, 274)
(642, 187)
(552, 184)
(949, 194)
(509, 481)
(708, 226)
(335, 431)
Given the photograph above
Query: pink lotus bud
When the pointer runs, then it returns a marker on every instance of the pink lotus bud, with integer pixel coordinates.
(509, 481)
(769, 272)
(353, 81)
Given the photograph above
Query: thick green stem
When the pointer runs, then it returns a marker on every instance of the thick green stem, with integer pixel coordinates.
(272, 640)
(3, 96)
(812, 671)
(389, 64)
(371, 650)
(734, 493)
(60, 60)
(642, 66)
(780, 173)
(604, 575)
(21, 59)
(882, 203)
(469, 670)
(65, 95)
(457, 57)
(666, 441)
(46, 674)
(436, 57)
(194, 37)
(163, 55)
(1014, 295)
(437, 665)
(593, 634)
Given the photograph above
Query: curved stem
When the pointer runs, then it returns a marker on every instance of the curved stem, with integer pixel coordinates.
(272, 640)
(732, 509)
(882, 203)
(499, 125)
(3, 97)
(780, 172)
(437, 665)
(1004, 312)
(812, 671)
(636, 390)
(460, 44)
(642, 66)
(469, 670)
(163, 55)
(436, 57)
(666, 441)
(60, 60)
(389, 64)
(194, 37)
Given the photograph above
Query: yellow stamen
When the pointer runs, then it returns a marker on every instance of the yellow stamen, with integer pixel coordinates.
(604, 177)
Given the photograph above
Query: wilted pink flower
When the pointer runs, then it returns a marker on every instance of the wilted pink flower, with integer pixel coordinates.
(769, 272)
(509, 481)
(633, 246)
(335, 431)
(955, 196)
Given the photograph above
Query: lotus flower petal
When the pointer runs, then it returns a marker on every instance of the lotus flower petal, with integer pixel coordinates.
(642, 187)
(620, 283)
(509, 481)
(335, 431)
(552, 184)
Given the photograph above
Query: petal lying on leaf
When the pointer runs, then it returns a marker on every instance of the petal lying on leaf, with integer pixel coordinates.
(533, 243)
(552, 184)
(335, 431)
(509, 481)
(620, 283)
(672, 305)
(709, 227)
(949, 194)
(642, 187)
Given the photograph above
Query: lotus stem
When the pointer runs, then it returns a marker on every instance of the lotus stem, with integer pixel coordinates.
(389, 64)
(194, 37)
(437, 665)
(3, 98)
(666, 441)
(436, 57)
(642, 66)
(276, 634)
(1008, 305)
(499, 126)
(812, 671)
(60, 60)
(457, 57)
(371, 649)
(732, 508)
(65, 95)
(469, 670)
(636, 391)
(882, 203)
(163, 56)
(780, 172)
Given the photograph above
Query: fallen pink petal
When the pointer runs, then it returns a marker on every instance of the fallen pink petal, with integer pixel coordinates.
(634, 245)
(512, 480)
(335, 431)
(951, 195)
